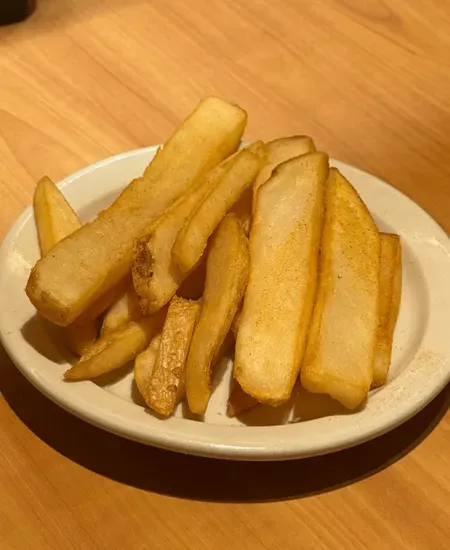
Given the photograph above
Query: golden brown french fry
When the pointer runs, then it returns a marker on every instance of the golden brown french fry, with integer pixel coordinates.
(55, 220)
(279, 151)
(388, 304)
(193, 237)
(123, 310)
(156, 278)
(89, 262)
(144, 365)
(116, 349)
(342, 335)
(239, 401)
(284, 247)
(166, 384)
(226, 278)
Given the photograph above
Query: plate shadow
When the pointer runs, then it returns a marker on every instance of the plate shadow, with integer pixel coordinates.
(183, 476)
(47, 339)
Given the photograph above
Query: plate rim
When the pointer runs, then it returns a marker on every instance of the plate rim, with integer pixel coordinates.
(203, 442)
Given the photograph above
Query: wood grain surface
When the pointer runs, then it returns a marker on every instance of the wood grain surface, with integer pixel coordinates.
(84, 79)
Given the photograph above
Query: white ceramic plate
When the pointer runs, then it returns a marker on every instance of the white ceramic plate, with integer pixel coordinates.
(420, 366)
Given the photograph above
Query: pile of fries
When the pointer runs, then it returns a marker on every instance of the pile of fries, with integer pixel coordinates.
(265, 253)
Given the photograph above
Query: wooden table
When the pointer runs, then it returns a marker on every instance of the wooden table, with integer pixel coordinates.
(82, 80)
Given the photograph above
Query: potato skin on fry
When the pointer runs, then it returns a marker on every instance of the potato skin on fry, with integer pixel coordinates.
(116, 349)
(166, 384)
(226, 278)
(284, 247)
(144, 365)
(341, 340)
(388, 304)
(100, 251)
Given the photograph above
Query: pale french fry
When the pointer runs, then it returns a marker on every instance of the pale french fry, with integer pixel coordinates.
(193, 237)
(279, 151)
(156, 278)
(124, 309)
(226, 278)
(55, 220)
(116, 349)
(388, 305)
(100, 252)
(166, 384)
(341, 341)
(144, 365)
(275, 152)
(284, 247)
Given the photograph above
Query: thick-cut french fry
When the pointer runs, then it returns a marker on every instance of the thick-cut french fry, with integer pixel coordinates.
(284, 247)
(104, 302)
(166, 384)
(55, 219)
(275, 152)
(388, 304)
(193, 237)
(124, 309)
(226, 278)
(144, 365)
(279, 151)
(341, 340)
(156, 277)
(116, 349)
(99, 253)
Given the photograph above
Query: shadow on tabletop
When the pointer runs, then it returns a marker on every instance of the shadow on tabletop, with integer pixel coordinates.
(190, 477)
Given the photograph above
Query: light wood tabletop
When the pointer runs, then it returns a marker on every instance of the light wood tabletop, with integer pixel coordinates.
(82, 80)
